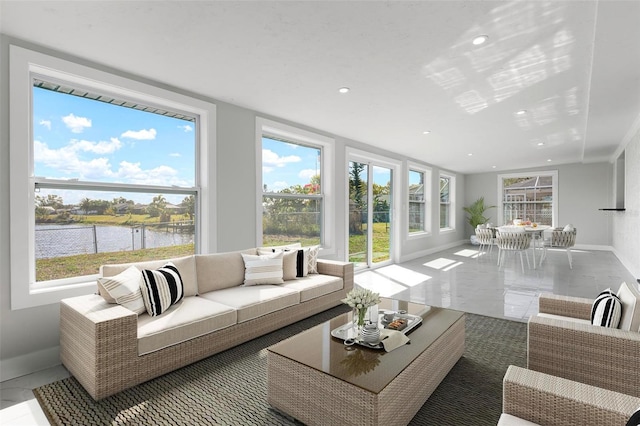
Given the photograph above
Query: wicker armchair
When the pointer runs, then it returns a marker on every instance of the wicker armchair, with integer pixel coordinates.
(553, 401)
(485, 239)
(562, 342)
(560, 239)
(517, 242)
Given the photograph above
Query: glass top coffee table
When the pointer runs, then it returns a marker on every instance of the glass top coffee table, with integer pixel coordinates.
(315, 378)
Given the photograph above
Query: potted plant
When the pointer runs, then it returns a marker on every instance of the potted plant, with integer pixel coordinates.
(476, 214)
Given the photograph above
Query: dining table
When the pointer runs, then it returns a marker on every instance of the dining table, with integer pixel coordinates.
(535, 231)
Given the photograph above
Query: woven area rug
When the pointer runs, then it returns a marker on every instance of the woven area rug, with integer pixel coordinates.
(230, 388)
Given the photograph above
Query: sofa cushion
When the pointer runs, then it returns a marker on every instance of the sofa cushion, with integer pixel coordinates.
(161, 288)
(217, 271)
(263, 269)
(630, 298)
(314, 286)
(186, 265)
(123, 289)
(606, 310)
(510, 420)
(255, 301)
(190, 318)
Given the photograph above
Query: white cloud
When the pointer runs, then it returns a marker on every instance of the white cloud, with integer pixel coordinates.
(66, 161)
(187, 128)
(76, 124)
(143, 134)
(270, 158)
(307, 173)
(101, 148)
(46, 123)
(175, 154)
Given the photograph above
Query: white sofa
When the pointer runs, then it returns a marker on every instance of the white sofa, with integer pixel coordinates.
(108, 347)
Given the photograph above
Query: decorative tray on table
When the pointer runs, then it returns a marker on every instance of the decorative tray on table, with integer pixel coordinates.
(401, 321)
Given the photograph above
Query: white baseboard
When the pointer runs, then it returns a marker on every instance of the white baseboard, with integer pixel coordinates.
(29, 363)
(593, 247)
(627, 264)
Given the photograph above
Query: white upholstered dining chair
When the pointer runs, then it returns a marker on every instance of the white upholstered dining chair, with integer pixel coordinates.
(516, 242)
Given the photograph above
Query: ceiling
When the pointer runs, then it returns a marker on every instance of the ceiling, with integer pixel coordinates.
(573, 66)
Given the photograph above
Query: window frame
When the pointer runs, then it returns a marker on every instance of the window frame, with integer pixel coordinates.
(426, 172)
(554, 191)
(284, 132)
(451, 226)
(24, 65)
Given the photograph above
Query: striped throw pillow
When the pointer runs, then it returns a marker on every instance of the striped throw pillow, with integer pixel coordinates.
(606, 310)
(161, 288)
(123, 289)
(263, 269)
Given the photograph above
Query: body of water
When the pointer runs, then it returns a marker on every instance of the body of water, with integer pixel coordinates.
(54, 240)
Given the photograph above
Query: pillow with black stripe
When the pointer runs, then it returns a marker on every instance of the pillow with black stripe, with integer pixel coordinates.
(635, 418)
(606, 310)
(161, 288)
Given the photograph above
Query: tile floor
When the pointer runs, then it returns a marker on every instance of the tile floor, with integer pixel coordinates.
(456, 278)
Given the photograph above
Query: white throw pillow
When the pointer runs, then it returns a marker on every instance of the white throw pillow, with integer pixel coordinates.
(312, 259)
(265, 269)
(123, 289)
(568, 228)
(630, 298)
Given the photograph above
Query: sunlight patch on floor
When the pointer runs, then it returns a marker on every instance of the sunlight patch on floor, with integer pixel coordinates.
(403, 275)
(439, 263)
(448, 268)
(377, 283)
(467, 253)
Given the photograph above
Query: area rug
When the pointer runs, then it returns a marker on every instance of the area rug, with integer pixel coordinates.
(229, 388)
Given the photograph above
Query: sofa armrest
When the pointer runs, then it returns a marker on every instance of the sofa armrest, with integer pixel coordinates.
(550, 400)
(605, 357)
(98, 344)
(574, 307)
(336, 268)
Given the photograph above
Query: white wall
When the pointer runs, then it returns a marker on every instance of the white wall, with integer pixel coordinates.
(626, 225)
(582, 190)
(29, 337)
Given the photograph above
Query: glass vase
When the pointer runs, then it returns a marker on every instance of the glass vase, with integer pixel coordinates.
(359, 316)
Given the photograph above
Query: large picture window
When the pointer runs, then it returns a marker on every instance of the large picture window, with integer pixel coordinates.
(418, 193)
(528, 196)
(113, 173)
(294, 186)
(447, 199)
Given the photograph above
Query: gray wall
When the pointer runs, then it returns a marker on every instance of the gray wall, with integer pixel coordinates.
(582, 190)
(626, 225)
(29, 337)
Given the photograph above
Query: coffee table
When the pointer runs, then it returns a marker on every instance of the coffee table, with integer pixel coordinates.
(316, 379)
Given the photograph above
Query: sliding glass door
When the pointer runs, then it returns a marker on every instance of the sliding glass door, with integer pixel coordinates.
(370, 213)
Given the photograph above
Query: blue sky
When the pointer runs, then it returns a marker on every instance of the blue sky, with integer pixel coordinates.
(285, 164)
(78, 138)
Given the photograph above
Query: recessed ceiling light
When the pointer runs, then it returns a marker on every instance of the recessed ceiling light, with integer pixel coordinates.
(469, 154)
(426, 132)
(540, 143)
(344, 90)
(480, 40)
(493, 167)
(522, 112)
(548, 160)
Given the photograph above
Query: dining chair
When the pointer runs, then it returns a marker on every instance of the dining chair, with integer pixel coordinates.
(516, 242)
(560, 238)
(485, 239)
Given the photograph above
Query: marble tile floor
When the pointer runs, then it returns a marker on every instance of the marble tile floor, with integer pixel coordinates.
(456, 278)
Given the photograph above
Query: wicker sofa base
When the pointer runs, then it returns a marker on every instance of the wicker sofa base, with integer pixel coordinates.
(99, 342)
(316, 398)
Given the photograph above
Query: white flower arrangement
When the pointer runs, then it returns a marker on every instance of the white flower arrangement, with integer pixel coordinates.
(360, 298)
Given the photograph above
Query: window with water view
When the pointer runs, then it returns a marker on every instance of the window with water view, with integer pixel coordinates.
(115, 181)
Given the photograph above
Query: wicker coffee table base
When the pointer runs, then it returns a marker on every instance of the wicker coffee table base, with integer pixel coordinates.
(316, 398)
